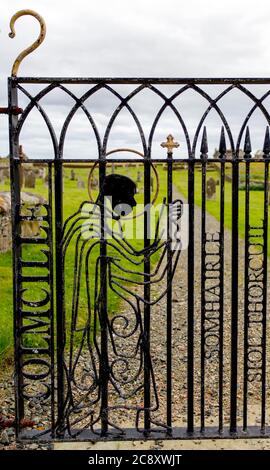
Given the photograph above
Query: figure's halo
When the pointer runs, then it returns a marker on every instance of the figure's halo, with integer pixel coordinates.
(130, 151)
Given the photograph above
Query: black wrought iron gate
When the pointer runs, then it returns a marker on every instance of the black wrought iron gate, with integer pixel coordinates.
(120, 338)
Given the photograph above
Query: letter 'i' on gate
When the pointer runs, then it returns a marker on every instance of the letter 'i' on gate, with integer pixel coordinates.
(159, 335)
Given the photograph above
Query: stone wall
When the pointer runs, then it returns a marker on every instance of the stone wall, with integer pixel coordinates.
(5, 222)
(28, 229)
(5, 233)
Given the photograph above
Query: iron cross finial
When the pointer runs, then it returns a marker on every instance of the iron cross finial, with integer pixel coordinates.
(170, 144)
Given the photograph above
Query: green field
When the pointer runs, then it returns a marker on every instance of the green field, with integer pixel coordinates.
(73, 197)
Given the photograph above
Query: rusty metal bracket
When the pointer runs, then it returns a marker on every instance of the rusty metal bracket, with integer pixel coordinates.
(33, 46)
(14, 110)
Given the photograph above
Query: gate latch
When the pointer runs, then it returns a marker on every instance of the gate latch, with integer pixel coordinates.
(14, 110)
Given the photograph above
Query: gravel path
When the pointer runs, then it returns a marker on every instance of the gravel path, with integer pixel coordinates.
(179, 354)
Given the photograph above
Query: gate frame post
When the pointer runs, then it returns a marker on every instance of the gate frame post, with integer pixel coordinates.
(14, 161)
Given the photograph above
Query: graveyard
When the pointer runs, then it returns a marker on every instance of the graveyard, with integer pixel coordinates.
(34, 190)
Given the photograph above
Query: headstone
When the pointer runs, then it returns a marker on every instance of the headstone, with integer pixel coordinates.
(29, 179)
(72, 175)
(5, 222)
(80, 184)
(4, 173)
(94, 183)
(139, 176)
(40, 172)
(5, 233)
(31, 204)
(211, 188)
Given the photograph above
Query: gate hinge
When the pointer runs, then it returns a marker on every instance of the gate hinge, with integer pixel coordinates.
(14, 110)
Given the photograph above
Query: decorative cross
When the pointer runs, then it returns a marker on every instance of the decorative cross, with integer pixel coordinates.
(170, 144)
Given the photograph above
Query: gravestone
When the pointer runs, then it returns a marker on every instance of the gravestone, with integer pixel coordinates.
(80, 184)
(5, 222)
(4, 173)
(139, 176)
(211, 188)
(5, 233)
(40, 172)
(94, 183)
(29, 179)
(72, 175)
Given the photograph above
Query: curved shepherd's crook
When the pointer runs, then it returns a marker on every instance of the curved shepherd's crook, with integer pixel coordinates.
(35, 45)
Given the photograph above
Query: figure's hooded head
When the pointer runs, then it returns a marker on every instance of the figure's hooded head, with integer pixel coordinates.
(121, 190)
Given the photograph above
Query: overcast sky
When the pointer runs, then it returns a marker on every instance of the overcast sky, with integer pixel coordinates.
(142, 38)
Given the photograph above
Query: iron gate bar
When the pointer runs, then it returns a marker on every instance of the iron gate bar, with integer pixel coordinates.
(52, 310)
(133, 435)
(190, 313)
(143, 80)
(104, 363)
(234, 298)
(16, 249)
(153, 160)
(204, 152)
(266, 150)
(59, 276)
(147, 296)
(15, 111)
(222, 156)
(169, 294)
(246, 313)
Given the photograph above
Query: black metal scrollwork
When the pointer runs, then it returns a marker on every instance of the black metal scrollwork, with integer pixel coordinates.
(83, 355)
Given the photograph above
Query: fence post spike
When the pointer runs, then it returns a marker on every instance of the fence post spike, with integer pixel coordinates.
(222, 144)
(266, 145)
(204, 144)
(247, 144)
